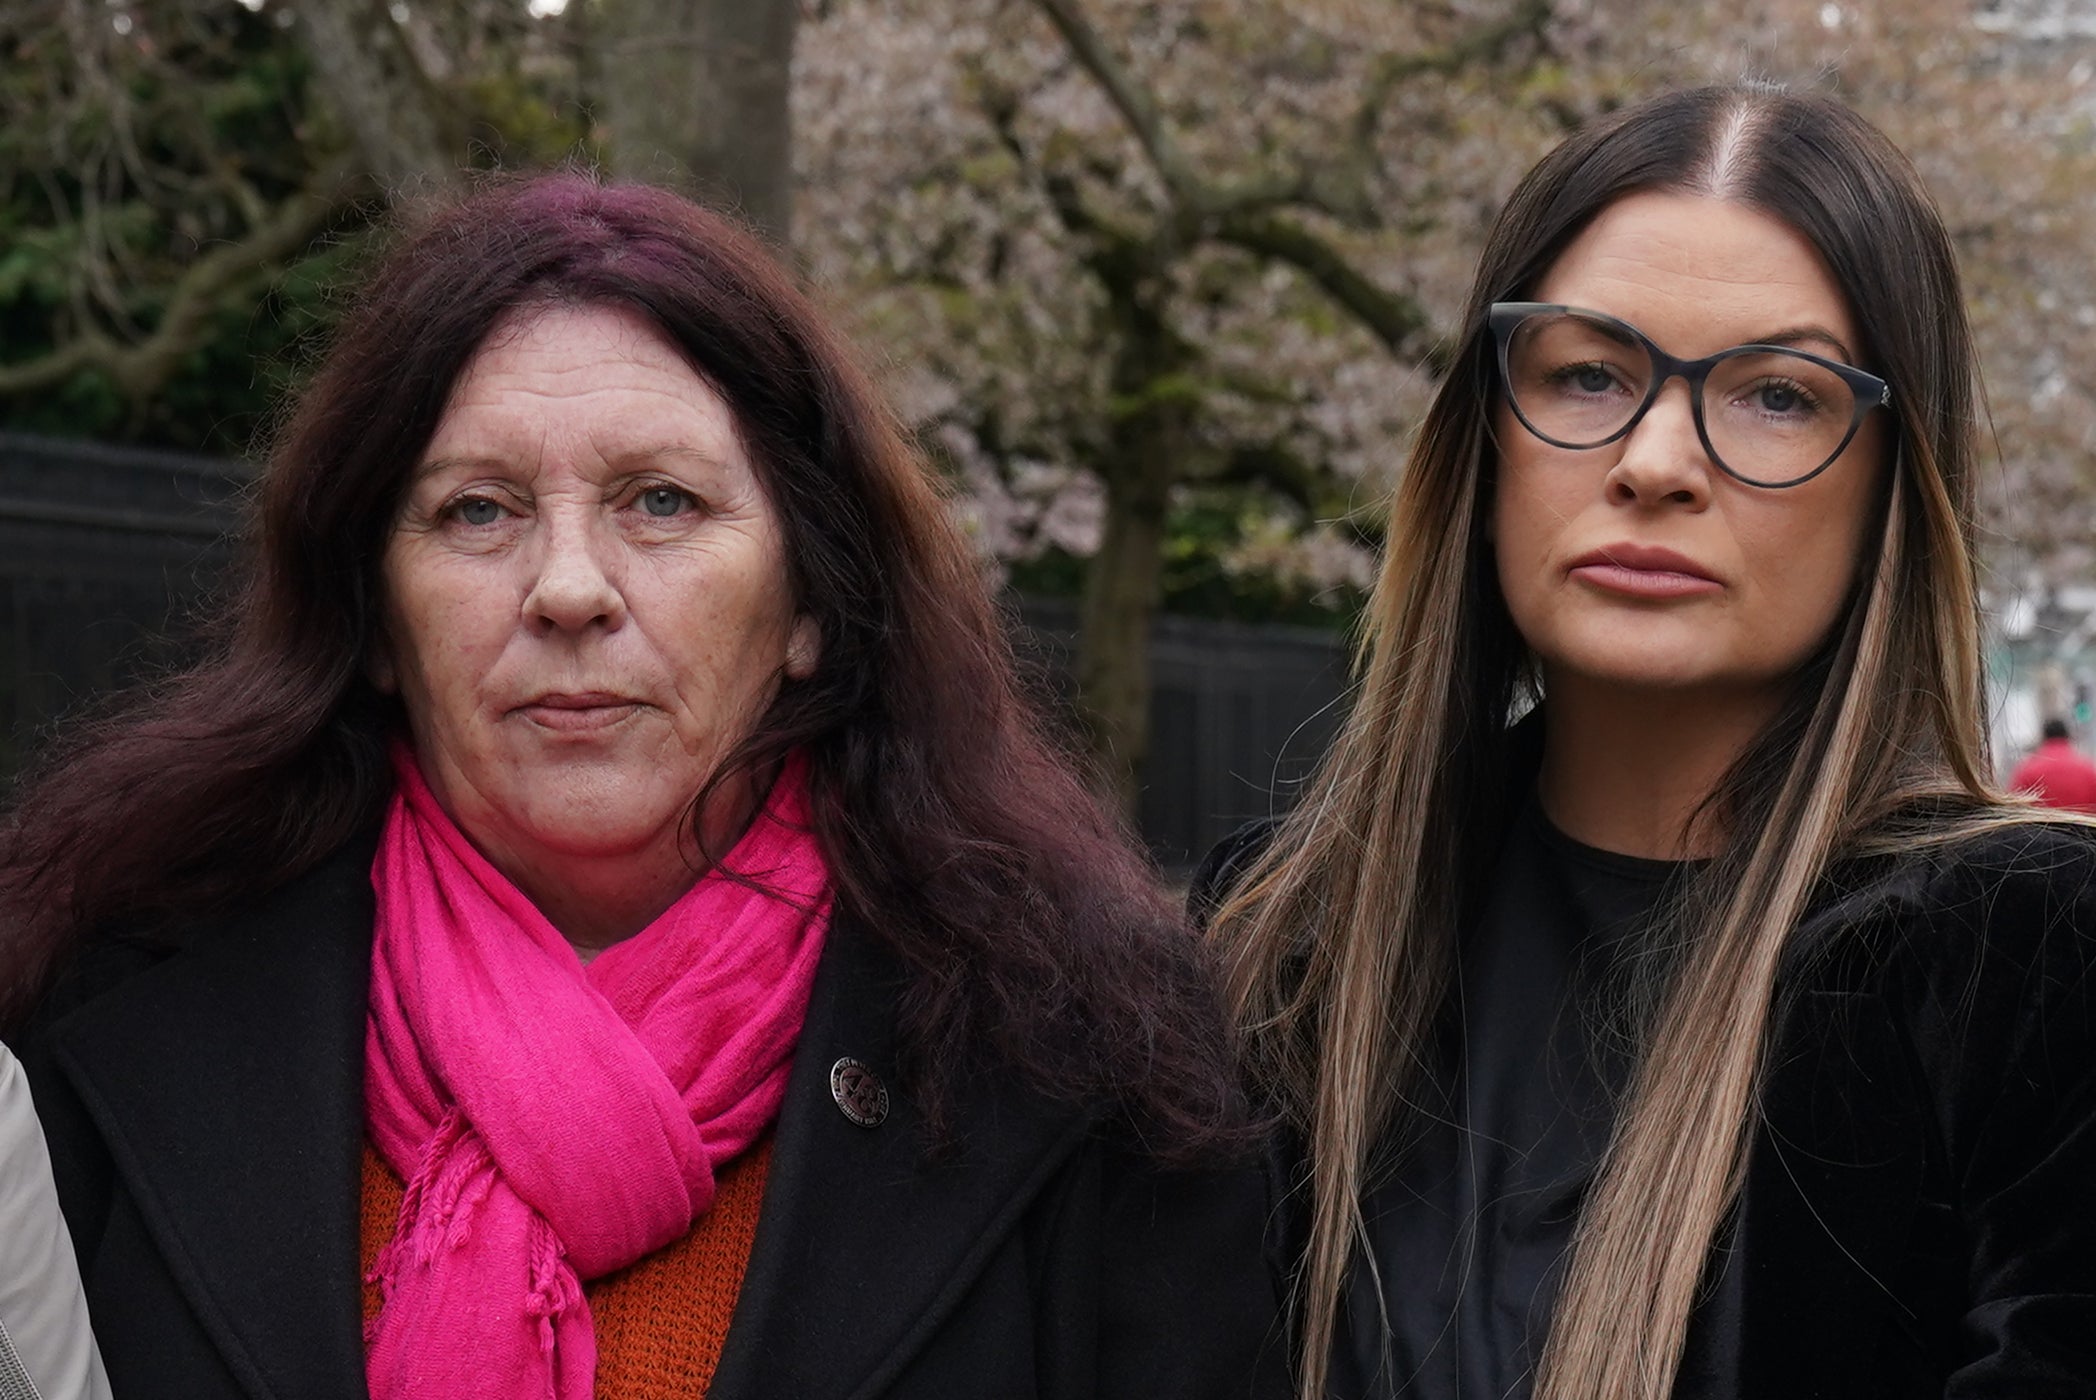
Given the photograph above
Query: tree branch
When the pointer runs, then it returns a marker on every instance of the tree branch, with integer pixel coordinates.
(141, 368)
(1128, 96)
(1192, 197)
(1247, 215)
(1487, 43)
(1399, 321)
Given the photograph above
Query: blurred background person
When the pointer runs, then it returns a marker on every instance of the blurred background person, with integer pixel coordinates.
(608, 894)
(1662, 997)
(2055, 773)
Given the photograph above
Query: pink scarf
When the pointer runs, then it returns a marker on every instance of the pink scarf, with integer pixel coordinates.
(555, 1122)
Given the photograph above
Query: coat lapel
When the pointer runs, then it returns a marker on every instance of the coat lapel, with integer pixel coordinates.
(863, 1247)
(227, 1081)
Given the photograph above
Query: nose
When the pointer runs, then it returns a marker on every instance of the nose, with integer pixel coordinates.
(1663, 460)
(573, 589)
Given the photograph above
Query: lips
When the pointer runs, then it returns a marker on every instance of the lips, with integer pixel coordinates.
(578, 711)
(1644, 571)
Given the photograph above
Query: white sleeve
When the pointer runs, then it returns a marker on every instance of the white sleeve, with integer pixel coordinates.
(47, 1351)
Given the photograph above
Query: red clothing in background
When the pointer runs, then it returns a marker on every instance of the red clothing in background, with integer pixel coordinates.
(2058, 777)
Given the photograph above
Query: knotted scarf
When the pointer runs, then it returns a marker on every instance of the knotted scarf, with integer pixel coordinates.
(555, 1121)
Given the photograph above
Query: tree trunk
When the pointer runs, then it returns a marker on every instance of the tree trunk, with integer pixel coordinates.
(696, 94)
(1122, 589)
(1145, 452)
(373, 84)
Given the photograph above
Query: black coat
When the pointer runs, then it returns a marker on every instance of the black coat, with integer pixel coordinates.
(1918, 1216)
(205, 1114)
(1919, 1211)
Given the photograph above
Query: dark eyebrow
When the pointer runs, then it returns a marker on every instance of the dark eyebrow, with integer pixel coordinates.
(625, 461)
(1795, 334)
(640, 457)
(1621, 332)
(425, 470)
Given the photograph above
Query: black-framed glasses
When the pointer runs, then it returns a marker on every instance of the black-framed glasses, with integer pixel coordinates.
(1768, 415)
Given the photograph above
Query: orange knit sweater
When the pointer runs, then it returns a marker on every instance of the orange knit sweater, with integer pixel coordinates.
(660, 1321)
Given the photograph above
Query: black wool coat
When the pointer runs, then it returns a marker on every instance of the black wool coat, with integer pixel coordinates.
(205, 1115)
(1918, 1216)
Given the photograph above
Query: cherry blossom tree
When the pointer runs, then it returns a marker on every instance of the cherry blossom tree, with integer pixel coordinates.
(1124, 255)
(1111, 282)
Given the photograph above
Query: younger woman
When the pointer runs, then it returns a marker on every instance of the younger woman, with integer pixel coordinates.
(1716, 1029)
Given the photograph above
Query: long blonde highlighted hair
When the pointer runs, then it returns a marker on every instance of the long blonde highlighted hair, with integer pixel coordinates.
(1339, 938)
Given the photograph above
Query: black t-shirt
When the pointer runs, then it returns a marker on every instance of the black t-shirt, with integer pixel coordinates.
(1469, 1229)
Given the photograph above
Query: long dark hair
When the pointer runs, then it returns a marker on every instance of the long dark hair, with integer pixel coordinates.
(1341, 938)
(1035, 937)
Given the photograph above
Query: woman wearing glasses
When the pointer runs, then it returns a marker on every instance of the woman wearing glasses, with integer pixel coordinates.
(1663, 999)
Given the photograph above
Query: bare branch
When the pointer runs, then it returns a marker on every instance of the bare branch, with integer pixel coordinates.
(1338, 188)
(1128, 96)
(1247, 215)
(1399, 321)
(1117, 253)
(1487, 43)
(140, 369)
(1192, 196)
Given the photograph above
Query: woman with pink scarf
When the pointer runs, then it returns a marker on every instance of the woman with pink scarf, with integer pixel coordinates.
(604, 920)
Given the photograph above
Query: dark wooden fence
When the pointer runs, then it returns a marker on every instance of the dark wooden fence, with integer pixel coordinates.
(108, 555)
(1238, 715)
(104, 553)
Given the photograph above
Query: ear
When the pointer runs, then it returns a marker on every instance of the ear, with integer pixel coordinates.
(803, 648)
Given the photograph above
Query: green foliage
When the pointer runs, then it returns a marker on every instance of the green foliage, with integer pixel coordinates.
(225, 396)
(1200, 580)
(516, 125)
(127, 157)
(86, 405)
(1053, 573)
(124, 157)
(1163, 391)
(1206, 529)
(34, 263)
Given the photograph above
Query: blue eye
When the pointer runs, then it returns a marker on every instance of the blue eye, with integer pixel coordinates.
(1781, 398)
(478, 510)
(1588, 378)
(663, 501)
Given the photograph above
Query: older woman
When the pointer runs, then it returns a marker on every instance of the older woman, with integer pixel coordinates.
(1717, 1029)
(608, 895)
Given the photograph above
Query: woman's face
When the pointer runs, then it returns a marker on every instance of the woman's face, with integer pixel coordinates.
(586, 597)
(1640, 564)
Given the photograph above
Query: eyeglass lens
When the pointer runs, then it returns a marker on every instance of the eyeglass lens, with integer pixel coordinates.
(1772, 416)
